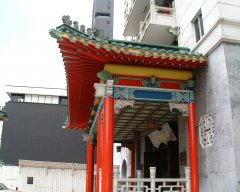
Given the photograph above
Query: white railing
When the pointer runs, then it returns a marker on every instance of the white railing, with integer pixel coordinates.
(143, 26)
(153, 12)
(153, 184)
(128, 13)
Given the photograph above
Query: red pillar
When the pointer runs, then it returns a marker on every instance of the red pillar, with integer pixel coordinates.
(99, 149)
(108, 139)
(90, 167)
(193, 148)
(133, 160)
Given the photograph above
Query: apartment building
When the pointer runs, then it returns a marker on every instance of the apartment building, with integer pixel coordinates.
(210, 27)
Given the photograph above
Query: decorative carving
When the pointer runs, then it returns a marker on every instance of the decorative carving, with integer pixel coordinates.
(104, 75)
(82, 29)
(183, 85)
(76, 25)
(109, 88)
(142, 93)
(123, 93)
(206, 131)
(55, 34)
(190, 84)
(89, 31)
(152, 82)
(94, 32)
(97, 33)
(121, 103)
(66, 20)
(182, 96)
(99, 89)
(179, 107)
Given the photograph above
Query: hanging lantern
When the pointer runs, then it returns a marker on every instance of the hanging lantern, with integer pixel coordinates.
(151, 124)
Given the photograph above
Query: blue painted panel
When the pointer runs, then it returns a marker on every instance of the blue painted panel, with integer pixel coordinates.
(153, 95)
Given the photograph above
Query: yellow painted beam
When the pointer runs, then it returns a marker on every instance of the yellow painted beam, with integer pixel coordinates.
(148, 71)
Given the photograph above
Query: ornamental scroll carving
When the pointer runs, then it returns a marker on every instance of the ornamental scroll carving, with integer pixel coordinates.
(179, 107)
(206, 131)
(121, 103)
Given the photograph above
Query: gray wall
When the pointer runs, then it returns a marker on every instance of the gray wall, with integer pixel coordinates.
(218, 93)
(34, 132)
(232, 57)
(103, 16)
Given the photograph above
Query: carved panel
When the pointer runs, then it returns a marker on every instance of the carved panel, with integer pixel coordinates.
(109, 88)
(121, 103)
(206, 131)
(179, 107)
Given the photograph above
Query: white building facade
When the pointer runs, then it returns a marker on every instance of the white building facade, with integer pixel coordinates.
(44, 176)
(210, 27)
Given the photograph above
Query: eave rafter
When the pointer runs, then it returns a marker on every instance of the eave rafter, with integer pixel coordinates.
(84, 55)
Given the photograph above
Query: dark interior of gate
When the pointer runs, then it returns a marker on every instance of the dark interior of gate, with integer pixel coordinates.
(134, 123)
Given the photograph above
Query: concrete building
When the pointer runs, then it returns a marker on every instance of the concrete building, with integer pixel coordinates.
(210, 27)
(34, 130)
(103, 16)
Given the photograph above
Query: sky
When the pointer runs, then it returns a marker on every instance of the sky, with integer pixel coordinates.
(29, 56)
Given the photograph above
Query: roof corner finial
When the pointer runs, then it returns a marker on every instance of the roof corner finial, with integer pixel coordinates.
(66, 20)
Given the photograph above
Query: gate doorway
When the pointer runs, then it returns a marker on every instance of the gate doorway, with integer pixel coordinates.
(165, 158)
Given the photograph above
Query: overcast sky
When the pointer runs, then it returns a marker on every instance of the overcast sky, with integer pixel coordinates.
(29, 56)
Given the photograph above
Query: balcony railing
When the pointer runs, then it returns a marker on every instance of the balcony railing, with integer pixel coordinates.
(128, 13)
(153, 184)
(152, 16)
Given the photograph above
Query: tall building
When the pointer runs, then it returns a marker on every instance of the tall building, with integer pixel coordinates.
(34, 129)
(103, 16)
(210, 27)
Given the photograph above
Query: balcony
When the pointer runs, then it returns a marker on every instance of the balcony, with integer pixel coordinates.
(136, 13)
(155, 28)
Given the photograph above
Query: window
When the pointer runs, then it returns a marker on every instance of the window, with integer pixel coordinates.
(108, 22)
(17, 97)
(63, 100)
(30, 180)
(198, 25)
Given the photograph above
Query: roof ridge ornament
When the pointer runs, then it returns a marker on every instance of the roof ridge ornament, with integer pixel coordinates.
(66, 20)
(94, 32)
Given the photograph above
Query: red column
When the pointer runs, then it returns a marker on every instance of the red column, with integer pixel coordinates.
(133, 160)
(90, 167)
(99, 149)
(193, 148)
(108, 139)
